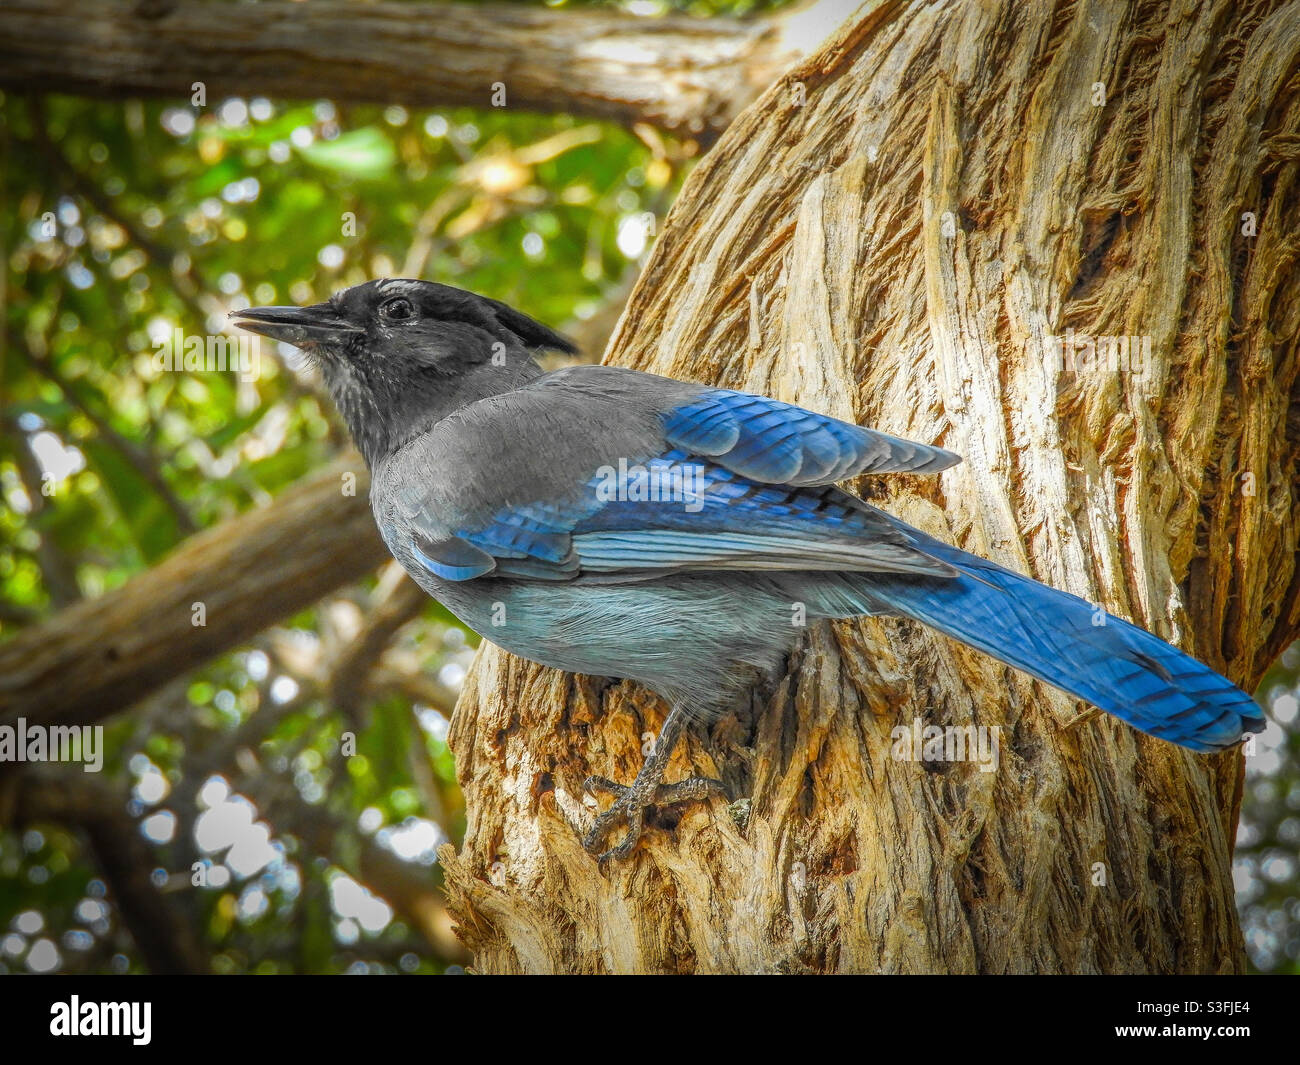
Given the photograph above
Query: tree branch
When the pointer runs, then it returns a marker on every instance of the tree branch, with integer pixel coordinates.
(676, 73)
(409, 888)
(99, 656)
(351, 671)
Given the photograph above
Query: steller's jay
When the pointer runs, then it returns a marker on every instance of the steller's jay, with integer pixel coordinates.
(617, 523)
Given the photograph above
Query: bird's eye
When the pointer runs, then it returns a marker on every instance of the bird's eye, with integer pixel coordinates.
(398, 309)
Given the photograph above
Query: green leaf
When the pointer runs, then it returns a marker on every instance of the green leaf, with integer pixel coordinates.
(152, 525)
(363, 153)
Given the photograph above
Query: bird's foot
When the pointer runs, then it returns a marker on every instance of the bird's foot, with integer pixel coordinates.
(631, 802)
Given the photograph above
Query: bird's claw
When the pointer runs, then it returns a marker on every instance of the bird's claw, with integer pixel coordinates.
(630, 805)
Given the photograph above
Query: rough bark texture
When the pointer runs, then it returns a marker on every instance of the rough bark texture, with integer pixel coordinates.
(678, 73)
(891, 235)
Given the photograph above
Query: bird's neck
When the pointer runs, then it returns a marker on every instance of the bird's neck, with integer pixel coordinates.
(385, 416)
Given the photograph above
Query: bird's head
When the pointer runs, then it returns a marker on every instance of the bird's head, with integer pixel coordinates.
(398, 355)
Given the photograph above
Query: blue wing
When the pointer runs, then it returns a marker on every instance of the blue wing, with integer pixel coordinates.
(748, 486)
(677, 513)
(776, 443)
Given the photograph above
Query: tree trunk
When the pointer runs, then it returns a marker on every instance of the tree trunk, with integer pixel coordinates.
(894, 234)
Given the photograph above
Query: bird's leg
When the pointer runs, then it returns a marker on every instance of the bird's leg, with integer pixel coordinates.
(646, 792)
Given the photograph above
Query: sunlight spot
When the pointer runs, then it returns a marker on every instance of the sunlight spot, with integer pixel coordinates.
(283, 689)
(159, 827)
(452, 674)
(43, 957)
(330, 256)
(352, 901)
(416, 839)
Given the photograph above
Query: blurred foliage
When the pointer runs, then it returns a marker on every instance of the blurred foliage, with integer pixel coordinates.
(1266, 866)
(125, 222)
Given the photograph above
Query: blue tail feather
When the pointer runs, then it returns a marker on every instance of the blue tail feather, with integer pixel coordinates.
(1067, 642)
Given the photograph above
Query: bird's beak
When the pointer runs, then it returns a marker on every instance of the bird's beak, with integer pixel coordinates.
(297, 325)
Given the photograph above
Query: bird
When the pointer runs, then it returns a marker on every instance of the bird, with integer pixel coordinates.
(616, 523)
